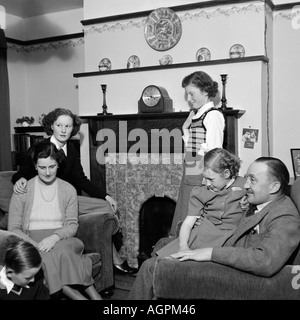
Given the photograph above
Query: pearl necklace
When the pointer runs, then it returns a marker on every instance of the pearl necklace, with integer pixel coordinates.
(48, 192)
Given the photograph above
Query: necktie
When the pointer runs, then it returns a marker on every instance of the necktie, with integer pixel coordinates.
(61, 151)
(251, 210)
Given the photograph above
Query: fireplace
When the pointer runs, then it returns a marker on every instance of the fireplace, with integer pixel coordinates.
(137, 167)
(155, 220)
(136, 187)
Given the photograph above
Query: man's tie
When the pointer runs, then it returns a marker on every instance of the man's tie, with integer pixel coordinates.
(251, 210)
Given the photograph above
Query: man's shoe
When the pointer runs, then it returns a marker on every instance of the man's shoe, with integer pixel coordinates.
(107, 292)
(124, 268)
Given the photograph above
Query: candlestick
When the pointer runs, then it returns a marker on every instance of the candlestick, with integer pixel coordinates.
(104, 106)
(224, 100)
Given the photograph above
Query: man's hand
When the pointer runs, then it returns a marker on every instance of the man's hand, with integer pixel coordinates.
(20, 186)
(244, 203)
(48, 243)
(196, 255)
(112, 202)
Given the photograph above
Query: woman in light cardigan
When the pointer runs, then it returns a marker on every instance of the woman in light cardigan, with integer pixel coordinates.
(47, 216)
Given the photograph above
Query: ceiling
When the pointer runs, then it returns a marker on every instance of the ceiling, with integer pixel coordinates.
(29, 8)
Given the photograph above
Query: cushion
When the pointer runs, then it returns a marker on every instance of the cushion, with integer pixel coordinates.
(6, 189)
(174, 279)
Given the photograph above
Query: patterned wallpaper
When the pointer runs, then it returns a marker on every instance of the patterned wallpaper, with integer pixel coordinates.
(184, 16)
(40, 47)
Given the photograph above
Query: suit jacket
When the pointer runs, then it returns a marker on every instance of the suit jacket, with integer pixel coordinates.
(266, 252)
(70, 170)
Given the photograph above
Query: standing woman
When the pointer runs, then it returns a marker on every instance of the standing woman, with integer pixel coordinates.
(203, 130)
(47, 216)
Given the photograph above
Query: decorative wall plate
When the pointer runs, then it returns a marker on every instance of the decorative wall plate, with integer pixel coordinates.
(166, 59)
(237, 51)
(133, 62)
(104, 64)
(162, 29)
(203, 54)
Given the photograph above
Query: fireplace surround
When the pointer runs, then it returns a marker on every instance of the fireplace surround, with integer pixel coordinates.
(132, 185)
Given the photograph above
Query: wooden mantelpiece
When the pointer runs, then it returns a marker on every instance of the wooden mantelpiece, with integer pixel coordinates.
(148, 122)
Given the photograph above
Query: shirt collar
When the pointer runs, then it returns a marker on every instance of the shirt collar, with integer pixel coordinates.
(7, 283)
(230, 183)
(204, 182)
(261, 206)
(54, 141)
(203, 109)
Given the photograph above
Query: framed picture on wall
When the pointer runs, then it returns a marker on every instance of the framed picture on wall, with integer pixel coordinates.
(295, 153)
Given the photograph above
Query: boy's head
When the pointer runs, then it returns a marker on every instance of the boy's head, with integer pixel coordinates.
(22, 262)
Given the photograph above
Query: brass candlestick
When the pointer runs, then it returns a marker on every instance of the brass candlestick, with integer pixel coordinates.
(104, 106)
(224, 100)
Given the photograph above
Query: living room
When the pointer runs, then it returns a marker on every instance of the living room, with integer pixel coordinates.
(53, 61)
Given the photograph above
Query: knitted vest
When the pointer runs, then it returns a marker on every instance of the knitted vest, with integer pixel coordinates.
(197, 134)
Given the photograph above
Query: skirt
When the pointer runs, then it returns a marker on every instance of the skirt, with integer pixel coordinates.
(192, 176)
(65, 264)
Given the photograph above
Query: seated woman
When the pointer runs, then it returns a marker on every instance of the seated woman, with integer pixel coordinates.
(47, 216)
(61, 125)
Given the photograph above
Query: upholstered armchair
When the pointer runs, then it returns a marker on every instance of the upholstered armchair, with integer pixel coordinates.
(210, 281)
(95, 231)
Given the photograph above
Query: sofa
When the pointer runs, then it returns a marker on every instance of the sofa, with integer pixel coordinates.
(212, 281)
(95, 231)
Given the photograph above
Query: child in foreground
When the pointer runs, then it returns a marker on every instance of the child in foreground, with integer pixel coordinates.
(21, 277)
(217, 204)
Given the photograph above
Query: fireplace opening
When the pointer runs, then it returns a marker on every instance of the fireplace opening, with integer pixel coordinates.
(155, 221)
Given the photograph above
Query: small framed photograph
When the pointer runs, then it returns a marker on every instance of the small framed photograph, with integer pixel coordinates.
(295, 153)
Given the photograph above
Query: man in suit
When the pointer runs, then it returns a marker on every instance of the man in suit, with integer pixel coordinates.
(264, 239)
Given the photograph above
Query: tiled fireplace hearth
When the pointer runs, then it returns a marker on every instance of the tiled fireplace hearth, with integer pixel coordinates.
(132, 177)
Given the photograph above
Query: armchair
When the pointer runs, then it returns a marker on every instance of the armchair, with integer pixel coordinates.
(208, 280)
(95, 231)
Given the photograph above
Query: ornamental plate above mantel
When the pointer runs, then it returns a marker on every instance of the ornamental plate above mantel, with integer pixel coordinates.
(162, 29)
